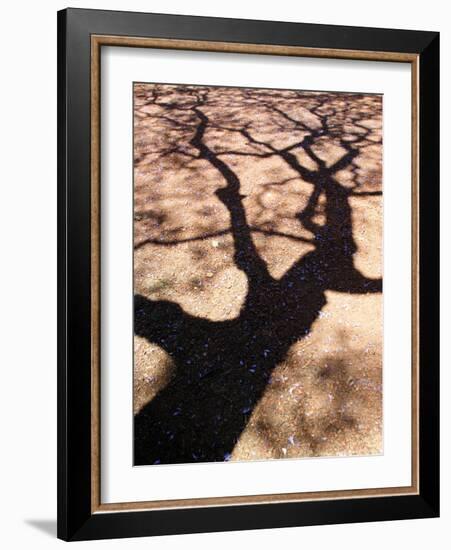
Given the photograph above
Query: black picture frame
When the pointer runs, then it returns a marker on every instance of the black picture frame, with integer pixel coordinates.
(76, 519)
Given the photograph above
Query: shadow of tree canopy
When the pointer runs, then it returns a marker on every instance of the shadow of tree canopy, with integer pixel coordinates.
(222, 368)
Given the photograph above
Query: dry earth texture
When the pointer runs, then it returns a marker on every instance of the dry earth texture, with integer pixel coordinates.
(258, 265)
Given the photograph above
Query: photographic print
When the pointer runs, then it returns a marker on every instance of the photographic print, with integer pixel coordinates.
(258, 218)
(244, 211)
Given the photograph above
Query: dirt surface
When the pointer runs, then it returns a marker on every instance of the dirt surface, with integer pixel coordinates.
(258, 265)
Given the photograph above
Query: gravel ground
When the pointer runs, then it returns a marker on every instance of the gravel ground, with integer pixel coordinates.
(258, 258)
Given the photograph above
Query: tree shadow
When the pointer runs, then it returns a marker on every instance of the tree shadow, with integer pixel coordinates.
(223, 367)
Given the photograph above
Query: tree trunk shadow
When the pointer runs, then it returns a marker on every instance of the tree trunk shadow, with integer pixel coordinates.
(222, 369)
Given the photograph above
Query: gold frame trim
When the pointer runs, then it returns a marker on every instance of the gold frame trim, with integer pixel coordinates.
(97, 41)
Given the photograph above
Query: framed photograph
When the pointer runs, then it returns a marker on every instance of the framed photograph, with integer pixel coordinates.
(248, 274)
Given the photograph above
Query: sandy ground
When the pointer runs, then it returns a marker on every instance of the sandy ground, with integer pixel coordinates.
(258, 320)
